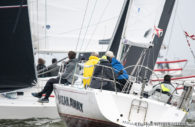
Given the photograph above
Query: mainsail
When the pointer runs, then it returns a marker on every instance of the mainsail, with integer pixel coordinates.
(17, 60)
(60, 25)
(116, 37)
(143, 35)
(143, 18)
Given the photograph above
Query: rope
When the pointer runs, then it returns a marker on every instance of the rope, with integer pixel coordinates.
(47, 71)
(142, 64)
(88, 24)
(149, 54)
(82, 25)
(45, 22)
(172, 28)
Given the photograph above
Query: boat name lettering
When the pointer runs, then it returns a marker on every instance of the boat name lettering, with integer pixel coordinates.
(70, 102)
(148, 124)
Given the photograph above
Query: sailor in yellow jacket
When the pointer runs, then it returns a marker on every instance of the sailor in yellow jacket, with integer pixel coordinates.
(88, 71)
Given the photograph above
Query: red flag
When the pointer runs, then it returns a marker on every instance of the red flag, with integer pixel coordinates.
(190, 36)
(158, 31)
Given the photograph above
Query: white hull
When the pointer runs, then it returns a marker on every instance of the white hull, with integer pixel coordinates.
(26, 106)
(85, 114)
(108, 108)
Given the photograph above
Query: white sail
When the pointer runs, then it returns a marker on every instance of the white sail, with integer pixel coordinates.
(143, 18)
(57, 24)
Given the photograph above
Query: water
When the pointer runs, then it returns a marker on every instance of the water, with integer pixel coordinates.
(32, 123)
(55, 123)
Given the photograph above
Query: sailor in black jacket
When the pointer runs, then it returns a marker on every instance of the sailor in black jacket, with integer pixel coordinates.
(103, 76)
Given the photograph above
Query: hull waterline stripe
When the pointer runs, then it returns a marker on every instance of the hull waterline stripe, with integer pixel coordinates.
(85, 118)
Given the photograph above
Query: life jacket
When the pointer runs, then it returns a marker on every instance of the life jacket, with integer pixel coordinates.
(88, 71)
(164, 88)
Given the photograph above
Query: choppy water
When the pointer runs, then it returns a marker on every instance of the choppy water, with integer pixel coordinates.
(32, 123)
(54, 123)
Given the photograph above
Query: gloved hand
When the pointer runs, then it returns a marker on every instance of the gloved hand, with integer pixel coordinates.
(120, 72)
(109, 59)
(60, 74)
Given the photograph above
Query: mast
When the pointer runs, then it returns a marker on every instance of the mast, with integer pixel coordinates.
(16, 51)
(116, 37)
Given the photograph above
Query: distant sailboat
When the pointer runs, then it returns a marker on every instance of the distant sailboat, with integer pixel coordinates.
(18, 75)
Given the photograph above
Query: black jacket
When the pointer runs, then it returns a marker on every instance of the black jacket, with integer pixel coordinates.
(103, 73)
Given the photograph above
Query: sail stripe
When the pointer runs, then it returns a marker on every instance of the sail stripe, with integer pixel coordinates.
(176, 61)
(176, 69)
(176, 78)
(14, 6)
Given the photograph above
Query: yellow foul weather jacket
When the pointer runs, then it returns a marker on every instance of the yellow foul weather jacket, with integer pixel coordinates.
(88, 71)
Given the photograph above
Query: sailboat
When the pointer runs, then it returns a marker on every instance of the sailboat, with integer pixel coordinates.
(133, 42)
(18, 75)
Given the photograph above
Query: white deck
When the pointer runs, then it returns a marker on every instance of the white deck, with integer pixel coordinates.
(26, 106)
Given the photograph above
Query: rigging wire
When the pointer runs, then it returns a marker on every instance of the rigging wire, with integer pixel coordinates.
(103, 21)
(45, 22)
(103, 12)
(142, 64)
(88, 24)
(80, 28)
(180, 23)
(172, 26)
(37, 7)
(82, 25)
(181, 26)
(18, 17)
(148, 54)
